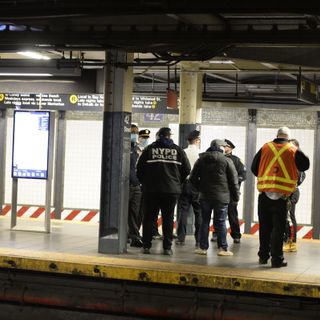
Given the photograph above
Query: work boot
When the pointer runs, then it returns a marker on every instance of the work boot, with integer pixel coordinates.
(293, 247)
(287, 246)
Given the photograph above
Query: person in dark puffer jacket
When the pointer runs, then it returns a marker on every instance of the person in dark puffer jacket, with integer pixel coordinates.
(216, 178)
(161, 169)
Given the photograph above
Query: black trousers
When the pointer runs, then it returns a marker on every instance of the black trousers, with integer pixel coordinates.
(294, 198)
(152, 203)
(134, 213)
(272, 221)
(233, 220)
(189, 197)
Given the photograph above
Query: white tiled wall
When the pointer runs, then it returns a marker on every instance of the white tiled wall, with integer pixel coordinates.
(306, 140)
(83, 164)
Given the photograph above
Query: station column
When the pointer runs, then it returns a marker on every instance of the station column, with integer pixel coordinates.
(316, 184)
(189, 111)
(115, 153)
(190, 101)
(250, 181)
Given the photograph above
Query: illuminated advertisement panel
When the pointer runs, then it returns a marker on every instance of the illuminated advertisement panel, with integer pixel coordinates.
(30, 144)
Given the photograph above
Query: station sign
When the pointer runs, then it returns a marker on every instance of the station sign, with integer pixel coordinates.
(81, 102)
(307, 90)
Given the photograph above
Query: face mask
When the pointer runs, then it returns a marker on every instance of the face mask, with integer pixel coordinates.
(144, 143)
(134, 137)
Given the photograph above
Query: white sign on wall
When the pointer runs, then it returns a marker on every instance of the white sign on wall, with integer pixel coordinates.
(30, 144)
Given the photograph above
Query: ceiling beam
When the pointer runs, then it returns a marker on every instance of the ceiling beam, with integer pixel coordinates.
(212, 75)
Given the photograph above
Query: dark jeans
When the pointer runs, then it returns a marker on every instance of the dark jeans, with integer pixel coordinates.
(188, 197)
(219, 222)
(233, 220)
(294, 198)
(134, 213)
(272, 221)
(152, 203)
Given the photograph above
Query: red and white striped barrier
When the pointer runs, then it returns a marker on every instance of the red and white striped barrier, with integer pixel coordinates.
(66, 214)
(304, 232)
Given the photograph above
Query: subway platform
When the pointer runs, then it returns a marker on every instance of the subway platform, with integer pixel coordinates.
(70, 251)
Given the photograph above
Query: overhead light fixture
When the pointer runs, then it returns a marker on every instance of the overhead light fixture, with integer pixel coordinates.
(16, 74)
(34, 55)
(221, 61)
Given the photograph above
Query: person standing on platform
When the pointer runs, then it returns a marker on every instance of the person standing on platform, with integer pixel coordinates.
(162, 168)
(290, 238)
(216, 178)
(233, 206)
(134, 193)
(276, 166)
(189, 195)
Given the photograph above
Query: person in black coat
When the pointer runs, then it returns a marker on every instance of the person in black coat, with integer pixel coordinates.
(216, 179)
(233, 206)
(162, 168)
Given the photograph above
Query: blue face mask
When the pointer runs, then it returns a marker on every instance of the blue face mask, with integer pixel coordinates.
(144, 143)
(134, 137)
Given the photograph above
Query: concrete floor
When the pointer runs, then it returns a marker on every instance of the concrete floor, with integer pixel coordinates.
(82, 239)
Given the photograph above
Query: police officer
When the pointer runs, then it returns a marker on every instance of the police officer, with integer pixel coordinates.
(162, 168)
(232, 207)
(276, 165)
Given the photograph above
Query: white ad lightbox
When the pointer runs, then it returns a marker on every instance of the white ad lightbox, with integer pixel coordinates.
(30, 148)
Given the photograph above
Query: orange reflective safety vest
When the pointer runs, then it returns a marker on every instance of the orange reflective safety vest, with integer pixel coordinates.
(277, 169)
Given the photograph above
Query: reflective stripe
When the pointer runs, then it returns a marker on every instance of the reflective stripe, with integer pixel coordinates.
(277, 156)
(166, 161)
(278, 186)
(277, 179)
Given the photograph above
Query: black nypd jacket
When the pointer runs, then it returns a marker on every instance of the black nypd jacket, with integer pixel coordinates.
(216, 178)
(163, 167)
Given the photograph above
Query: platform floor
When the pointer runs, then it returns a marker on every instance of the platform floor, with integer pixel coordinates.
(71, 248)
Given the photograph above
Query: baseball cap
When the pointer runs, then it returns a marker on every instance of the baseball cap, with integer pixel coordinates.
(230, 144)
(218, 142)
(284, 131)
(144, 133)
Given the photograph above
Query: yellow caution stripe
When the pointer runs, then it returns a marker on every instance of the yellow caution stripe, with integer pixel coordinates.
(247, 280)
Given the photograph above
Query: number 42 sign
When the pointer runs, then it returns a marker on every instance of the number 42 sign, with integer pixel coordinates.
(153, 117)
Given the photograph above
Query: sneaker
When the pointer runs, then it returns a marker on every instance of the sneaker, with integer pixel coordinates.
(287, 246)
(223, 252)
(236, 240)
(200, 251)
(146, 250)
(180, 243)
(167, 252)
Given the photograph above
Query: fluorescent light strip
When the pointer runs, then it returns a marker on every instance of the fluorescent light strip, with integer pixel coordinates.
(34, 55)
(26, 74)
(221, 61)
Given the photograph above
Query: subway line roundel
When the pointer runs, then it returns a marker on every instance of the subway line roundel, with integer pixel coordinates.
(73, 98)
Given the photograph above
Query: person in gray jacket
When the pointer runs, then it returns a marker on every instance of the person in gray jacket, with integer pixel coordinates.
(216, 178)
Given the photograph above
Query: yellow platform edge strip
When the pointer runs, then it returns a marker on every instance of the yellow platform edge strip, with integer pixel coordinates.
(164, 276)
